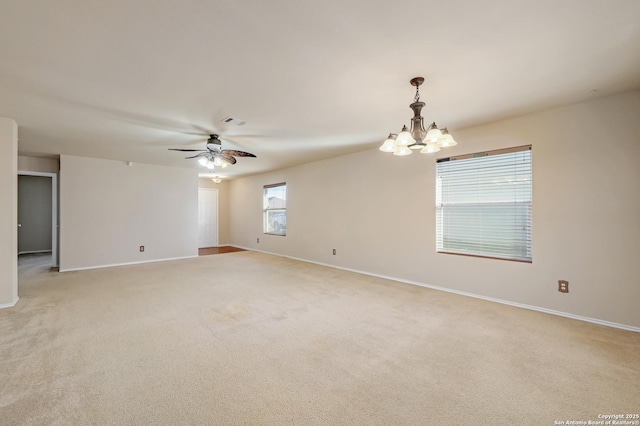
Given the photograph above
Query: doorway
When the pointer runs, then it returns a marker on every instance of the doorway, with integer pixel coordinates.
(38, 214)
(207, 217)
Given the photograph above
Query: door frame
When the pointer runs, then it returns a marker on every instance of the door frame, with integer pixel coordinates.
(54, 210)
(215, 190)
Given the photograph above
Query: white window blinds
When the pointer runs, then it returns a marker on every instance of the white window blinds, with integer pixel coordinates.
(484, 203)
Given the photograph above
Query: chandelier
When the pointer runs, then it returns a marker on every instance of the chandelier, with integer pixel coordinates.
(428, 140)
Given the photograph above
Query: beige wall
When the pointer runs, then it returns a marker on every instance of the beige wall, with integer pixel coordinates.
(8, 212)
(38, 164)
(224, 235)
(378, 212)
(109, 209)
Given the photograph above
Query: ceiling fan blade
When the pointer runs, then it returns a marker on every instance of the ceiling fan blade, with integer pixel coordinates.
(202, 154)
(202, 130)
(188, 150)
(236, 153)
(229, 159)
(203, 133)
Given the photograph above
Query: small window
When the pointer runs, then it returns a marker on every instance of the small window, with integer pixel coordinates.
(484, 204)
(275, 209)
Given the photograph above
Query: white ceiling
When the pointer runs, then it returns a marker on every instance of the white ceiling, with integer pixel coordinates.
(127, 79)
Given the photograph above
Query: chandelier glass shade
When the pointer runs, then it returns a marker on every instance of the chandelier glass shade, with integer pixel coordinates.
(427, 140)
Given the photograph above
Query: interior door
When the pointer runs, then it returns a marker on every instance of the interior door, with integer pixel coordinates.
(35, 218)
(207, 217)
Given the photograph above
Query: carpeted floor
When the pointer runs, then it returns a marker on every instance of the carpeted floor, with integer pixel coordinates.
(248, 338)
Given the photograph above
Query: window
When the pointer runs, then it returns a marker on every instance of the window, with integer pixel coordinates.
(275, 209)
(483, 204)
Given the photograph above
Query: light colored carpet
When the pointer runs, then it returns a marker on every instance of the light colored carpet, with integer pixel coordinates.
(247, 338)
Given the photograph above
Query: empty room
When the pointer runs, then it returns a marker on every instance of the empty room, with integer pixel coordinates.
(320, 213)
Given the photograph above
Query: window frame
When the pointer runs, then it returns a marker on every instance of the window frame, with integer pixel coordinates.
(266, 209)
(448, 208)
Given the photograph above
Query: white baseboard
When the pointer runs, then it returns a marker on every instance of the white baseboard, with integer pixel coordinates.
(464, 293)
(9, 305)
(33, 252)
(84, 268)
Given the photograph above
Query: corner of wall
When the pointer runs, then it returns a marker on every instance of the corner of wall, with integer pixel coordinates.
(8, 212)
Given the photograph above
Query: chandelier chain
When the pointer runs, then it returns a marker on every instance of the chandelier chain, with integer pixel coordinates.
(416, 98)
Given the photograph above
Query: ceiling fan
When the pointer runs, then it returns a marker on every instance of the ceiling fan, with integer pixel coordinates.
(214, 155)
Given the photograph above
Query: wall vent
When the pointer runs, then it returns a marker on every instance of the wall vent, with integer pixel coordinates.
(231, 120)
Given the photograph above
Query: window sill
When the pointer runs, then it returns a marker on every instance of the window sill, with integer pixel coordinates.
(486, 257)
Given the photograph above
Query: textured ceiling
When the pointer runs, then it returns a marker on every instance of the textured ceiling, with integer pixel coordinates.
(126, 80)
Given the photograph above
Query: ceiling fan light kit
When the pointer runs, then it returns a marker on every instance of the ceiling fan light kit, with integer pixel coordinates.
(214, 156)
(428, 140)
(217, 162)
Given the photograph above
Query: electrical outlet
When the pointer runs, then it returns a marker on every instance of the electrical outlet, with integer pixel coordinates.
(334, 252)
(563, 286)
(141, 249)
